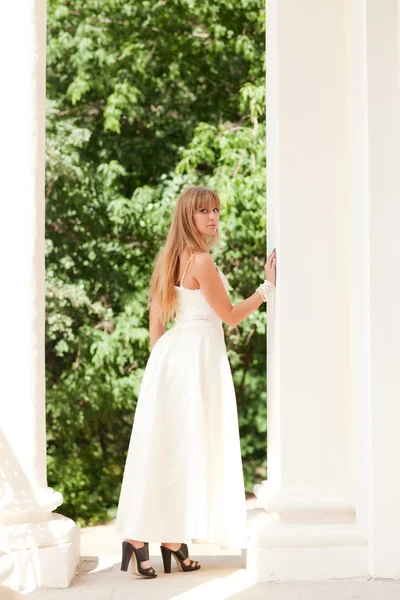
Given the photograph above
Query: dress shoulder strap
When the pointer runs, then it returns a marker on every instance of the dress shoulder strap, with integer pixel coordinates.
(188, 263)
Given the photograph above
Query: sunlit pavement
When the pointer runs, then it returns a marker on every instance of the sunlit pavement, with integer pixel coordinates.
(221, 577)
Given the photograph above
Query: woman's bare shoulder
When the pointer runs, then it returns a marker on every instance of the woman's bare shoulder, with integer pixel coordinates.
(202, 259)
(202, 256)
(203, 262)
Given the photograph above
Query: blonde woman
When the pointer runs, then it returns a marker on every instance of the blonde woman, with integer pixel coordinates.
(183, 476)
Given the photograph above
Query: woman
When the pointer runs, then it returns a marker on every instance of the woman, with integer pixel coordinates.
(183, 475)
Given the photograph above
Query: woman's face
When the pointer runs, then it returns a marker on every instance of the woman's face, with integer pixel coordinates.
(206, 221)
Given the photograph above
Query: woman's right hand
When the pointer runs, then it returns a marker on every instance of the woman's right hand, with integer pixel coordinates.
(270, 267)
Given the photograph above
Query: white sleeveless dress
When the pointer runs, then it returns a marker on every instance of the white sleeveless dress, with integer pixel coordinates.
(183, 479)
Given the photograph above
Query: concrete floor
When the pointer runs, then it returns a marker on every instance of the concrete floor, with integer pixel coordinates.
(221, 577)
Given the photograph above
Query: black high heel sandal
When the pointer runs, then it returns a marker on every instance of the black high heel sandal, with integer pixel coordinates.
(180, 555)
(137, 555)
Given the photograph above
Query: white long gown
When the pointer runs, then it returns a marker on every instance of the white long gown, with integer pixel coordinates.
(183, 479)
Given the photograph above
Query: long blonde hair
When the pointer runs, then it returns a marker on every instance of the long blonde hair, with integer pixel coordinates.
(182, 233)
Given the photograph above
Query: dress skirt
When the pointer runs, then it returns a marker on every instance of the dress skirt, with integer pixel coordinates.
(183, 479)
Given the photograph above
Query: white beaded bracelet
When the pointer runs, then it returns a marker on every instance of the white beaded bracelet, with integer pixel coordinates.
(265, 289)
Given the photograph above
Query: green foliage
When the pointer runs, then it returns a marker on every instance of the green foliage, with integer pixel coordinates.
(144, 99)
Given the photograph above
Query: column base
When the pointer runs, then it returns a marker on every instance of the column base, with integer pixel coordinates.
(304, 534)
(45, 554)
(6, 568)
(304, 552)
(305, 505)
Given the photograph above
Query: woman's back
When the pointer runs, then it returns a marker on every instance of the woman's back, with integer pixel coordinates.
(192, 304)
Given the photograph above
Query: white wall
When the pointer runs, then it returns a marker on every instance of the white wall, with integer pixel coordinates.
(333, 180)
(375, 184)
(384, 260)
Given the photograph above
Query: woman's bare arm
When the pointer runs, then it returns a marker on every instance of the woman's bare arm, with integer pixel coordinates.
(156, 328)
(210, 282)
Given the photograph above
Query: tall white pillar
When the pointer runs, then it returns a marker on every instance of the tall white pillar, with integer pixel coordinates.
(44, 546)
(383, 102)
(358, 136)
(309, 529)
(374, 128)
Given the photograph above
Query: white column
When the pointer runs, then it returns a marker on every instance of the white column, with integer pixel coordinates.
(358, 135)
(43, 546)
(309, 529)
(375, 112)
(383, 101)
